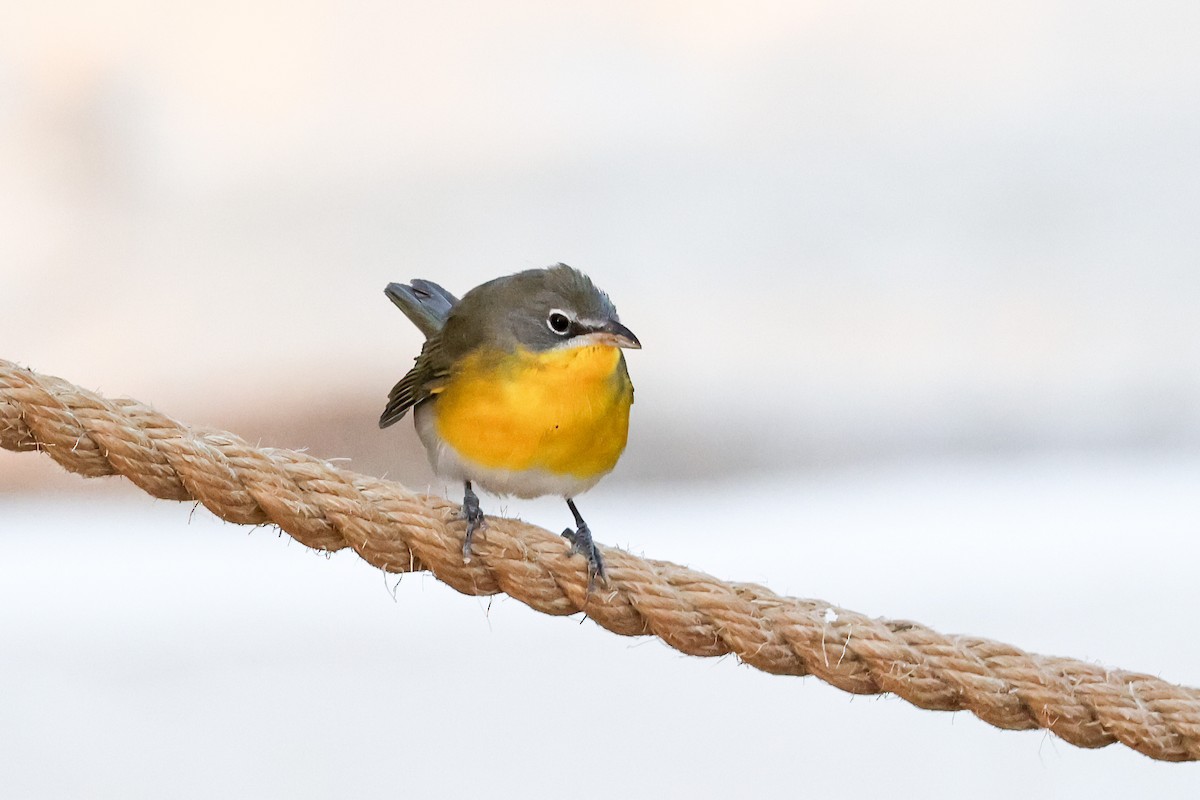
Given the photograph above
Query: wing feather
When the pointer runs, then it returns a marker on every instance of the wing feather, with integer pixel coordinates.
(426, 378)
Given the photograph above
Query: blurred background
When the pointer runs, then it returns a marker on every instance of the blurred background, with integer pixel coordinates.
(917, 285)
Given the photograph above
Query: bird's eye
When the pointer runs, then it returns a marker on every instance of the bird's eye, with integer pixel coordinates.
(559, 322)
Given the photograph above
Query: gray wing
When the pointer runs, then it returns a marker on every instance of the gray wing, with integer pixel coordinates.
(428, 306)
(425, 378)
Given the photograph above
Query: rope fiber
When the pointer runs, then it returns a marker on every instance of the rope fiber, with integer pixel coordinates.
(390, 527)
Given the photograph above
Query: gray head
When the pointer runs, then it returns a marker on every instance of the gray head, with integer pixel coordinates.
(539, 309)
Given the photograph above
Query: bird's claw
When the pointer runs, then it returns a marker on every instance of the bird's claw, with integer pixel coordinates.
(473, 514)
(581, 542)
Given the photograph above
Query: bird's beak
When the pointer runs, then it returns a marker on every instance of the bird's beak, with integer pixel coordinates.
(617, 335)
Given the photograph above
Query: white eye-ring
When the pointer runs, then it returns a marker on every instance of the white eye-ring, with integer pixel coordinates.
(558, 321)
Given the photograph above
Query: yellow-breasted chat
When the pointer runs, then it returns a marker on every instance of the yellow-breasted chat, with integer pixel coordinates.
(521, 388)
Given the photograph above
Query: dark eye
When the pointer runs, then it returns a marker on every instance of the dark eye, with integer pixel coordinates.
(559, 322)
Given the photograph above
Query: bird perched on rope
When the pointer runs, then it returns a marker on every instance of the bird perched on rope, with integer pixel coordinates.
(521, 388)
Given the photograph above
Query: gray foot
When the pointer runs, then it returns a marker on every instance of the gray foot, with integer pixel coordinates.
(473, 514)
(581, 542)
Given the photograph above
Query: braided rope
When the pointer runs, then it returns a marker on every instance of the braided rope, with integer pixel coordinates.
(394, 529)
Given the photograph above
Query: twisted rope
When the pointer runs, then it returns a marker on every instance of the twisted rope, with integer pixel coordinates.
(394, 529)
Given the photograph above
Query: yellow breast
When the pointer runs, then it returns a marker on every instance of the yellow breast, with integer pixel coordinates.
(563, 411)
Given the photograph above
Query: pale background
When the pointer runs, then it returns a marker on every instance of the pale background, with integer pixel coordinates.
(918, 287)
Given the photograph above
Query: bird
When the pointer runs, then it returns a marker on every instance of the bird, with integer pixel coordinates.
(521, 388)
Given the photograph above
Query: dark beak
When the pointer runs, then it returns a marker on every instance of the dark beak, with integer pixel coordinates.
(619, 336)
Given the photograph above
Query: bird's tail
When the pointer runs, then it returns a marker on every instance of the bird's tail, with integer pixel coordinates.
(423, 302)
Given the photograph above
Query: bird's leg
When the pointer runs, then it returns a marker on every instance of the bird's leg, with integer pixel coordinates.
(473, 515)
(581, 542)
